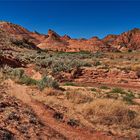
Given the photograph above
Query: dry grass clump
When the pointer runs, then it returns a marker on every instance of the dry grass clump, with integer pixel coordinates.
(109, 112)
(78, 97)
(52, 92)
(136, 122)
(136, 67)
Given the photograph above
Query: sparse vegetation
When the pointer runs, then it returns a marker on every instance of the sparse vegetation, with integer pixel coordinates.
(69, 84)
(104, 87)
(20, 77)
(77, 97)
(93, 92)
(27, 80)
(118, 90)
(109, 112)
(47, 82)
(93, 89)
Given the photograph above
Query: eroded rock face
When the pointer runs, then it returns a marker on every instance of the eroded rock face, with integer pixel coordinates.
(52, 34)
(97, 75)
(52, 41)
(19, 32)
(128, 40)
(12, 62)
(109, 39)
(65, 37)
(13, 28)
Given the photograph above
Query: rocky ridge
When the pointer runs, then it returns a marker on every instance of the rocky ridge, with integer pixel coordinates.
(127, 41)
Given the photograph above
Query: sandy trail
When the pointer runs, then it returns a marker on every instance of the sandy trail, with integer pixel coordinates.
(21, 92)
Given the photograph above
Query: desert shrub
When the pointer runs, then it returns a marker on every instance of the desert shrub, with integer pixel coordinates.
(129, 96)
(44, 82)
(61, 66)
(73, 122)
(5, 72)
(118, 90)
(17, 73)
(27, 80)
(126, 96)
(69, 84)
(58, 62)
(7, 69)
(47, 82)
(108, 112)
(19, 76)
(104, 87)
(67, 65)
(78, 55)
(93, 89)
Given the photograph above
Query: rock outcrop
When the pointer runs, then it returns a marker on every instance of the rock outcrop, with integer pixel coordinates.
(128, 40)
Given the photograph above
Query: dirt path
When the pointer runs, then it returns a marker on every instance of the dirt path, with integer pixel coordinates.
(22, 93)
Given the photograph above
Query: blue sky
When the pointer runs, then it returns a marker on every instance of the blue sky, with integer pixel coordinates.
(80, 18)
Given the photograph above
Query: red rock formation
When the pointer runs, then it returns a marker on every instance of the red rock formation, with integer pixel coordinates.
(20, 32)
(53, 42)
(65, 38)
(13, 28)
(109, 39)
(126, 41)
(13, 62)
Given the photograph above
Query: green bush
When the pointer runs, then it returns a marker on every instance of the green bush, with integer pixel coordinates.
(44, 82)
(17, 73)
(27, 80)
(129, 97)
(93, 89)
(69, 84)
(19, 76)
(47, 82)
(67, 65)
(118, 90)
